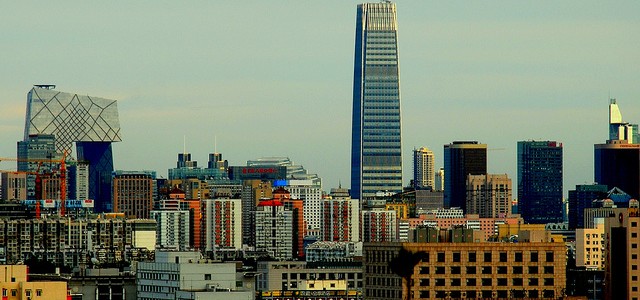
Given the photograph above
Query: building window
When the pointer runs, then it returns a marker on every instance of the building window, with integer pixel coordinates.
(472, 257)
(534, 256)
(39, 293)
(471, 282)
(549, 256)
(439, 270)
(634, 278)
(424, 270)
(533, 270)
(634, 246)
(502, 282)
(502, 270)
(486, 282)
(533, 281)
(440, 257)
(503, 256)
(439, 281)
(486, 270)
(27, 293)
(518, 257)
(548, 281)
(14, 293)
(456, 281)
(424, 294)
(424, 282)
(548, 270)
(517, 270)
(456, 256)
(487, 257)
(455, 270)
(634, 224)
(471, 270)
(208, 276)
(517, 281)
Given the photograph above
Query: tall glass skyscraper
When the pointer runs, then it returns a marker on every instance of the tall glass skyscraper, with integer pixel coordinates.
(540, 181)
(376, 151)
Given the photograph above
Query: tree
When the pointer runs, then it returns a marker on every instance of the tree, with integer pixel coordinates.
(404, 265)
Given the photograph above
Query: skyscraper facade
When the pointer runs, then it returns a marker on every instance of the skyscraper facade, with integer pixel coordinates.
(489, 196)
(461, 159)
(617, 164)
(91, 123)
(423, 168)
(376, 151)
(540, 181)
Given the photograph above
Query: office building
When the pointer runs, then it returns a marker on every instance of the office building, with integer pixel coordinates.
(540, 181)
(461, 159)
(489, 195)
(35, 156)
(465, 270)
(581, 199)
(376, 148)
(621, 254)
(310, 193)
(14, 186)
(90, 122)
(619, 130)
(133, 193)
(617, 164)
(222, 222)
(423, 168)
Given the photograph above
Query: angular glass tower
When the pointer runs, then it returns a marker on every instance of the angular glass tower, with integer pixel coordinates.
(91, 123)
(376, 151)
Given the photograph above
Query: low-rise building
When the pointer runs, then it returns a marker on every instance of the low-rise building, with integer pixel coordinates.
(464, 270)
(15, 285)
(186, 275)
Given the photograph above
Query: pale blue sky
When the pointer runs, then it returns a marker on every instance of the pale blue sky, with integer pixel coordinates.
(275, 78)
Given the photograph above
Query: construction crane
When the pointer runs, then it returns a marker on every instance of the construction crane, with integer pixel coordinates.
(62, 173)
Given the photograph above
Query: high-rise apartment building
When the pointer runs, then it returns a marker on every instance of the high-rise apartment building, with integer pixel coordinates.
(90, 122)
(376, 151)
(173, 231)
(274, 229)
(489, 195)
(222, 222)
(423, 168)
(341, 220)
(540, 181)
(379, 225)
(14, 186)
(461, 159)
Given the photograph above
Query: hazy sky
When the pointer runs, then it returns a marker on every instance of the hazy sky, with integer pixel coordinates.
(272, 78)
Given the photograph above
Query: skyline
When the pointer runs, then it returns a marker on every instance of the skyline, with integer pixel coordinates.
(511, 64)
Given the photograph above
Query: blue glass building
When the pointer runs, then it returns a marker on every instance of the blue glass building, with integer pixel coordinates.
(376, 151)
(540, 181)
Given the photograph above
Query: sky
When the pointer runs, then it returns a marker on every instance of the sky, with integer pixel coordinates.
(263, 78)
